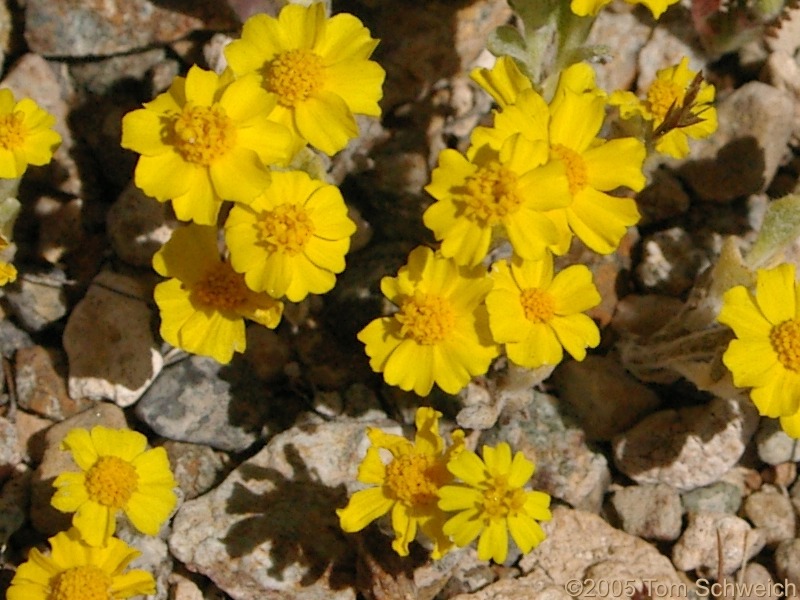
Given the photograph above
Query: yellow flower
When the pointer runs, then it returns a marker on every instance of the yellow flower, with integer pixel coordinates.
(676, 107)
(570, 125)
(504, 82)
(584, 8)
(205, 140)
(316, 68)
(537, 315)
(117, 473)
(765, 355)
(26, 135)
(440, 334)
(8, 273)
(292, 239)
(77, 571)
(204, 304)
(408, 485)
(496, 193)
(492, 502)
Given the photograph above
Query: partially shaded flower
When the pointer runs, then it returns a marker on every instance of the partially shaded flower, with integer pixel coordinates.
(292, 239)
(677, 106)
(492, 501)
(407, 486)
(8, 272)
(440, 334)
(205, 302)
(765, 355)
(76, 571)
(205, 140)
(316, 69)
(26, 135)
(537, 315)
(584, 8)
(493, 194)
(118, 473)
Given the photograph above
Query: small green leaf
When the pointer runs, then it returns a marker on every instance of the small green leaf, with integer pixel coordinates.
(780, 228)
(507, 41)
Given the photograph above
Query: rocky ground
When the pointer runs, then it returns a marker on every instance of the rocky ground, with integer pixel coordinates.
(656, 478)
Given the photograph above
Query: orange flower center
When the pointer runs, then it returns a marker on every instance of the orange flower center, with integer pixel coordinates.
(491, 194)
(661, 95)
(426, 318)
(203, 133)
(577, 175)
(538, 305)
(12, 130)
(286, 228)
(785, 340)
(412, 478)
(500, 500)
(86, 582)
(221, 288)
(111, 481)
(294, 76)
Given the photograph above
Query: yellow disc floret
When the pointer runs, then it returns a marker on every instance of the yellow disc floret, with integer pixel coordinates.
(203, 133)
(221, 288)
(410, 479)
(286, 228)
(538, 305)
(426, 318)
(12, 130)
(86, 582)
(491, 194)
(662, 95)
(785, 340)
(111, 481)
(294, 76)
(577, 174)
(500, 500)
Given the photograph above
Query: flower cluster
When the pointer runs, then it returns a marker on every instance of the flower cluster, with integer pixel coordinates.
(117, 473)
(424, 483)
(292, 81)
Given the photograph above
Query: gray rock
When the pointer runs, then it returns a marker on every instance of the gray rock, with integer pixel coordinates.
(138, 226)
(198, 400)
(625, 35)
(652, 512)
(38, 301)
(774, 446)
(10, 454)
(99, 76)
(772, 513)
(12, 338)
(196, 468)
(566, 468)
(689, 447)
(274, 533)
(719, 497)
(787, 561)
(710, 537)
(606, 399)
(110, 346)
(155, 557)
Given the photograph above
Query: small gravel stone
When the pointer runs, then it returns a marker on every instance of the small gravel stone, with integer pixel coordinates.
(756, 578)
(719, 497)
(652, 512)
(196, 468)
(39, 301)
(787, 561)
(10, 455)
(774, 446)
(772, 513)
(40, 376)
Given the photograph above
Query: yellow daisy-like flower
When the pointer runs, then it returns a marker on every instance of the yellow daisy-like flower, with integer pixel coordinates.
(676, 107)
(205, 140)
(117, 474)
(440, 334)
(492, 502)
(504, 82)
(570, 125)
(316, 68)
(765, 355)
(584, 8)
(204, 304)
(496, 193)
(76, 571)
(537, 315)
(292, 239)
(26, 135)
(408, 485)
(8, 273)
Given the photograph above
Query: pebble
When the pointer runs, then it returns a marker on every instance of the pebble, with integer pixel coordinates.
(12, 339)
(756, 578)
(154, 558)
(711, 536)
(41, 384)
(772, 513)
(10, 454)
(625, 35)
(109, 341)
(38, 301)
(652, 512)
(30, 432)
(787, 561)
(689, 447)
(198, 400)
(773, 445)
(196, 468)
(719, 497)
(605, 398)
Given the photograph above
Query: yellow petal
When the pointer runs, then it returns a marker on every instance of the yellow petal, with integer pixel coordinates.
(493, 542)
(775, 293)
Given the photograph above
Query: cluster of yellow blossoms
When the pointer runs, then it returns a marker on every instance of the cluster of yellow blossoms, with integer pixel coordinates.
(291, 81)
(449, 494)
(117, 473)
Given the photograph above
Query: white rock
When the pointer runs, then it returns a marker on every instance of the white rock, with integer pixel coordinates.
(772, 513)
